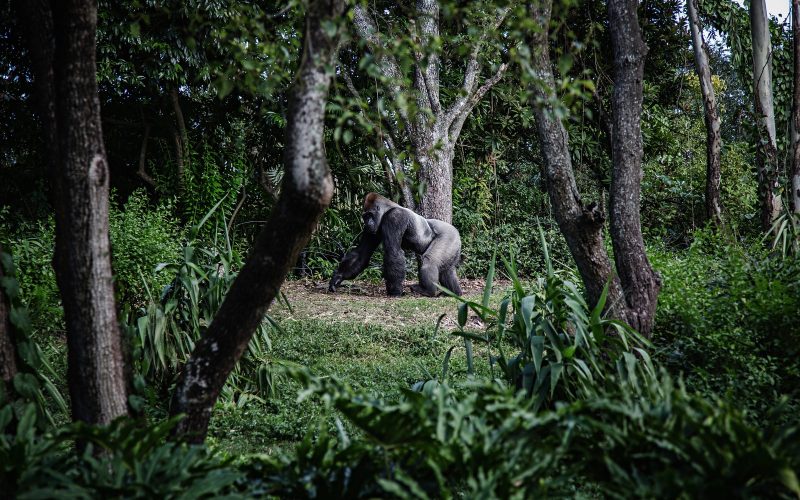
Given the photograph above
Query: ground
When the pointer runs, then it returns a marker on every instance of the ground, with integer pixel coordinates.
(378, 344)
(367, 303)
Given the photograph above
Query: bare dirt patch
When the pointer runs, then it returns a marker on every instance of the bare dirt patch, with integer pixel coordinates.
(367, 303)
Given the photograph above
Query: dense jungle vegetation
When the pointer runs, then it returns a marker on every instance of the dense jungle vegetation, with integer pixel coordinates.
(179, 181)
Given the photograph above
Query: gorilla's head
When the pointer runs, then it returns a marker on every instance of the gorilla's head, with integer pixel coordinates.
(374, 207)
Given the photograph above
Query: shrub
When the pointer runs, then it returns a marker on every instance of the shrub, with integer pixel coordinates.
(135, 462)
(142, 237)
(725, 319)
(649, 438)
(32, 246)
(563, 348)
(165, 330)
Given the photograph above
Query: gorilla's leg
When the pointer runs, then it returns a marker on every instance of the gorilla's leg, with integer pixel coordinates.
(449, 280)
(428, 278)
(394, 261)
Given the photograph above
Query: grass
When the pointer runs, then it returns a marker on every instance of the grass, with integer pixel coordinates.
(375, 343)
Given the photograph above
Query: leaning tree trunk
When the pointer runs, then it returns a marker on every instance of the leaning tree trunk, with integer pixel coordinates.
(640, 283)
(767, 157)
(795, 173)
(582, 225)
(62, 46)
(713, 136)
(306, 192)
(434, 130)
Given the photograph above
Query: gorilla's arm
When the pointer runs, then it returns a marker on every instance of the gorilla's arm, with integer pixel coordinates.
(356, 260)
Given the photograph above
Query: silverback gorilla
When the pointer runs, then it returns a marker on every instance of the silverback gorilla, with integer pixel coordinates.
(398, 228)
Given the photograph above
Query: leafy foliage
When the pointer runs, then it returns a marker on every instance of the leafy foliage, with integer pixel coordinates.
(133, 461)
(166, 329)
(142, 237)
(642, 437)
(725, 320)
(32, 389)
(565, 348)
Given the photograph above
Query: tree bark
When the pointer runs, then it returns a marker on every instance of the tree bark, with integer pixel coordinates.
(581, 225)
(8, 351)
(433, 131)
(713, 136)
(62, 45)
(767, 157)
(306, 192)
(795, 173)
(640, 283)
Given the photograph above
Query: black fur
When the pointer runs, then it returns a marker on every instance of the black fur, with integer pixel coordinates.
(437, 244)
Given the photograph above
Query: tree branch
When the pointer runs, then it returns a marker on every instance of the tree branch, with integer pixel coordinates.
(457, 121)
(472, 72)
(367, 29)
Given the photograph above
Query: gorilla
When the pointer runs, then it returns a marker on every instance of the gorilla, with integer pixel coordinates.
(436, 242)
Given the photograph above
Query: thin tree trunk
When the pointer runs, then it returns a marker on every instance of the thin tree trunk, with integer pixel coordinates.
(581, 225)
(8, 351)
(62, 45)
(180, 168)
(795, 174)
(394, 167)
(640, 283)
(181, 141)
(142, 171)
(767, 157)
(713, 136)
(307, 190)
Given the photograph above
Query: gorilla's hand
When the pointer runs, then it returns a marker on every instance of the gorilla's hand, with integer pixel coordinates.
(336, 280)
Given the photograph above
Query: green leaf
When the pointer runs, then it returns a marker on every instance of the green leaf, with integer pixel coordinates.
(537, 350)
(487, 289)
(555, 374)
(462, 314)
(526, 308)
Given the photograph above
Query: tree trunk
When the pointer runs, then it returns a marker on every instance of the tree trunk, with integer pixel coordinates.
(581, 225)
(713, 137)
(8, 351)
(62, 46)
(767, 157)
(433, 131)
(640, 283)
(436, 176)
(795, 174)
(306, 192)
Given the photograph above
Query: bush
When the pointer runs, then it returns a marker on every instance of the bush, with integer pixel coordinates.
(563, 348)
(135, 461)
(166, 329)
(726, 320)
(646, 438)
(32, 246)
(142, 237)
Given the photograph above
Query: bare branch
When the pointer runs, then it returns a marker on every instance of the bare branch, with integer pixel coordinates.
(472, 72)
(385, 136)
(425, 29)
(367, 29)
(470, 102)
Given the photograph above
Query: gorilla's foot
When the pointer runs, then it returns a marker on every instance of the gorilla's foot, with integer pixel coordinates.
(420, 290)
